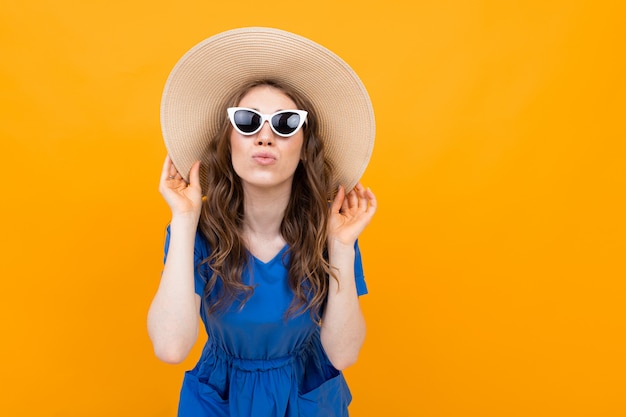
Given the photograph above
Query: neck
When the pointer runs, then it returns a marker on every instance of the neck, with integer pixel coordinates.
(264, 211)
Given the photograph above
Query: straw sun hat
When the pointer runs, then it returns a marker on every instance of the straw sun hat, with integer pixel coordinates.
(196, 90)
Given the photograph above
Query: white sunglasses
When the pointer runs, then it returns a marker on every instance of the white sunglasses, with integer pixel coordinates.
(284, 123)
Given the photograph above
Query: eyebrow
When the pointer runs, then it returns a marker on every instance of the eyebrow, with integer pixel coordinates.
(275, 111)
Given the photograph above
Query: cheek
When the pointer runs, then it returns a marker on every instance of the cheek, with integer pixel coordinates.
(298, 148)
(236, 145)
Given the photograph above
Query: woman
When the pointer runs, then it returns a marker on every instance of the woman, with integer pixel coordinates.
(271, 267)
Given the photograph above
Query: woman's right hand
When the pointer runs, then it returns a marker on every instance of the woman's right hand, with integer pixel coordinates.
(184, 199)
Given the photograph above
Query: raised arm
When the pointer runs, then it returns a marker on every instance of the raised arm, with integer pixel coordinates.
(173, 314)
(343, 325)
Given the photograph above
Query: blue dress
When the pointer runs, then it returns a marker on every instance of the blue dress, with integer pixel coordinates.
(257, 364)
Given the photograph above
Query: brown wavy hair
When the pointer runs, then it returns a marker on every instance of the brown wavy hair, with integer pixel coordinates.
(303, 226)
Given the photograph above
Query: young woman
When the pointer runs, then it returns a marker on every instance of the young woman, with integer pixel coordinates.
(257, 249)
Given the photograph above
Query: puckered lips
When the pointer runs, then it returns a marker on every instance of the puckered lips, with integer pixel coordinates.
(264, 158)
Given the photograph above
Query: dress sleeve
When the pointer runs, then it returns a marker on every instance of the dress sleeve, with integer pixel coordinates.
(200, 252)
(359, 277)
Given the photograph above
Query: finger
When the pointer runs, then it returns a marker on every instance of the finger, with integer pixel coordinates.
(373, 204)
(194, 175)
(169, 170)
(173, 172)
(345, 205)
(353, 199)
(339, 200)
(362, 199)
(165, 172)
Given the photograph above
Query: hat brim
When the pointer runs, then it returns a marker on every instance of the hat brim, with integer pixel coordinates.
(207, 74)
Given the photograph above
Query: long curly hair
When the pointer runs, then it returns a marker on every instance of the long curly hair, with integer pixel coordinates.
(304, 225)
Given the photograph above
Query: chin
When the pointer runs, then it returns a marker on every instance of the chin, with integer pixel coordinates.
(268, 183)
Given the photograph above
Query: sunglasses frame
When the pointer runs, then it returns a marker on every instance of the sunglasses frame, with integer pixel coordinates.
(266, 117)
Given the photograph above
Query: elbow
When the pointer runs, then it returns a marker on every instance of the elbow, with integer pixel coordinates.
(172, 350)
(342, 353)
(171, 354)
(343, 361)
(169, 346)
(343, 357)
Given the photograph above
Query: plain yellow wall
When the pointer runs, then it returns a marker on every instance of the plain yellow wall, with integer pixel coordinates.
(495, 264)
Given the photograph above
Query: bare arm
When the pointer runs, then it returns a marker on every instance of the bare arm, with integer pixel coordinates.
(173, 315)
(343, 325)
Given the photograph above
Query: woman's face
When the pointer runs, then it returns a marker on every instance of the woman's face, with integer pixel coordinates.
(266, 160)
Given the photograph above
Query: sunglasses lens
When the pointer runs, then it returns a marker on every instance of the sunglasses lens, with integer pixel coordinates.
(286, 123)
(247, 121)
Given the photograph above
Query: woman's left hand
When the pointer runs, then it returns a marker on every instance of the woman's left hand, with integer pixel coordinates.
(350, 214)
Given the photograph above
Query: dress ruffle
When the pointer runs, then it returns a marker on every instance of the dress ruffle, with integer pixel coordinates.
(302, 384)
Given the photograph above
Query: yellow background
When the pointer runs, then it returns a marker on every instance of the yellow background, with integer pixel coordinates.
(495, 265)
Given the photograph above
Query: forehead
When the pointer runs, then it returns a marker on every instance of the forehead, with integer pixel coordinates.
(266, 99)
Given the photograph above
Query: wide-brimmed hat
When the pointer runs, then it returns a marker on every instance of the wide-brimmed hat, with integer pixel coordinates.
(198, 86)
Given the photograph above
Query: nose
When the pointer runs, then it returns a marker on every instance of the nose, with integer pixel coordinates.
(265, 135)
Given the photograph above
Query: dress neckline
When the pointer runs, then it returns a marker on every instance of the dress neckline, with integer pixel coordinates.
(270, 261)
